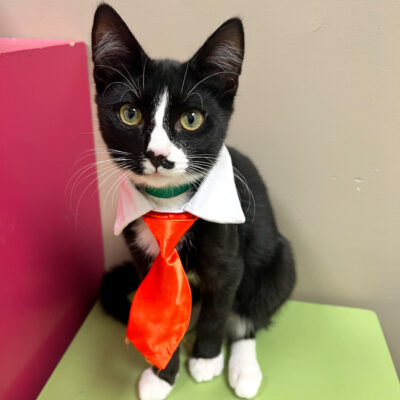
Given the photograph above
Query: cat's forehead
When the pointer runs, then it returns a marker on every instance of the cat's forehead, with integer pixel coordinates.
(166, 75)
(172, 77)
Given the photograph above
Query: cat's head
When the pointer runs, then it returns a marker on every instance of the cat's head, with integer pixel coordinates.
(165, 121)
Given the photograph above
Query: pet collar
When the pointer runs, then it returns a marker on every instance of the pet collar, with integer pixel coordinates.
(167, 192)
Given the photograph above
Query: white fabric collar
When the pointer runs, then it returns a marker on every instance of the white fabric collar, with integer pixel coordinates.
(216, 199)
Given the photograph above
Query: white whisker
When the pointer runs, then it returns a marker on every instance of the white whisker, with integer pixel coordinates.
(114, 186)
(144, 70)
(184, 76)
(132, 80)
(207, 77)
(240, 177)
(201, 99)
(82, 195)
(119, 72)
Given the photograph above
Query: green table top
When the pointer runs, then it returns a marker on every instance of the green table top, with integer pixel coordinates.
(311, 352)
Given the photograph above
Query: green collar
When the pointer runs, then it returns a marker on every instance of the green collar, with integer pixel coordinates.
(167, 192)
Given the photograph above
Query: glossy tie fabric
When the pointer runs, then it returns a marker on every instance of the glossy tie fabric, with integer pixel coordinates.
(161, 308)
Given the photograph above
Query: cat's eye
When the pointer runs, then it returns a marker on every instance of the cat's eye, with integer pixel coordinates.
(191, 120)
(130, 115)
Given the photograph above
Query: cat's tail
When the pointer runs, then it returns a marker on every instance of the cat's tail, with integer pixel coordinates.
(115, 287)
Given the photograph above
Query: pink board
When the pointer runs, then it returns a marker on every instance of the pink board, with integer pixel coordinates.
(50, 262)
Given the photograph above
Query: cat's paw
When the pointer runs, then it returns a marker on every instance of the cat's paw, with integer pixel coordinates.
(151, 387)
(244, 372)
(245, 379)
(205, 369)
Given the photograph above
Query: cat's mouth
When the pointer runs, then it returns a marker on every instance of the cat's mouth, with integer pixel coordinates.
(164, 172)
(161, 177)
(159, 172)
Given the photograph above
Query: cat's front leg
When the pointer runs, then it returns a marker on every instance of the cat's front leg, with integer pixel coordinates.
(207, 359)
(156, 384)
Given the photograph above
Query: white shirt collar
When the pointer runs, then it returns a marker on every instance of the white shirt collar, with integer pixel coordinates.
(216, 199)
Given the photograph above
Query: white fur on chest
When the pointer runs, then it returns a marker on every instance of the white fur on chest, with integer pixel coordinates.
(144, 239)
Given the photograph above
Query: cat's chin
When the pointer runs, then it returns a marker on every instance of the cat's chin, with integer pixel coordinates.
(159, 180)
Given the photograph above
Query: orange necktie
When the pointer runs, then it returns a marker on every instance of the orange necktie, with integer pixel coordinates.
(161, 308)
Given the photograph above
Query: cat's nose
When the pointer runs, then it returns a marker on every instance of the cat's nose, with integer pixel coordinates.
(159, 161)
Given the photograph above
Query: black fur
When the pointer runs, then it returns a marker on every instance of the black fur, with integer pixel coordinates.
(247, 269)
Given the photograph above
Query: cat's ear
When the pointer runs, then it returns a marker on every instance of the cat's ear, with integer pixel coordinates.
(114, 48)
(221, 56)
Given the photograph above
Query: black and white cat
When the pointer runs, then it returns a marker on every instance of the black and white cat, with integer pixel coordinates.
(164, 123)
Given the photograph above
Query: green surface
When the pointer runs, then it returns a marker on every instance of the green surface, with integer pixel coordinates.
(311, 352)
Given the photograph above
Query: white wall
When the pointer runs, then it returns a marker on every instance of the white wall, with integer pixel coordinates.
(318, 111)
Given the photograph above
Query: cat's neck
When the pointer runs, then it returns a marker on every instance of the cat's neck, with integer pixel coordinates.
(164, 204)
(171, 203)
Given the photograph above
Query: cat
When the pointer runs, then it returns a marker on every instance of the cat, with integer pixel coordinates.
(164, 123)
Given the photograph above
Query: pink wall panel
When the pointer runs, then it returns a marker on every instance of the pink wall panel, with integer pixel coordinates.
(51, 255)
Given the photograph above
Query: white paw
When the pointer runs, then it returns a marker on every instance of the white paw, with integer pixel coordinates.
(204, 369)
(244, 372)
(151, 387)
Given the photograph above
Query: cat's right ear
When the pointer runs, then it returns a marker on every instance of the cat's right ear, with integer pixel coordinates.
(114, 48)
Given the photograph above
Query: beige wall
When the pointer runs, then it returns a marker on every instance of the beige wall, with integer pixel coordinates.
(318, 111)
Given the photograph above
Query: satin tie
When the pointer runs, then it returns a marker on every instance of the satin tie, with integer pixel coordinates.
(160, 311)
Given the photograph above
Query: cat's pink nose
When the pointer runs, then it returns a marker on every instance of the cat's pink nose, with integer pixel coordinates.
(158, 153)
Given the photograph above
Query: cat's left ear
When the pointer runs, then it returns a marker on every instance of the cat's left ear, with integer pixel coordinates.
(114, 48)
(221, 56)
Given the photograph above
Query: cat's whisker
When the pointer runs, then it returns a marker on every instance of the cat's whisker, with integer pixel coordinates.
(112, 169)
(184, 76)
(196, 171)
(115, 186)
(80, 181)
(99, 177)
(95, 163)
(132, 80)
(204, 168)
(118, 151)
(203, 158)
(75, 178)
(119, 83)
(207, 77)
(201, 99)
(78, 177)
(193, 178)
(239, 176)
(198, 168)
(144, 71)
(112, 187)
(91, 153)
(202, 163)
(105, 149)
(203, 154)
(123, 94)
(83, 193)
(200, 172)
(119, 72)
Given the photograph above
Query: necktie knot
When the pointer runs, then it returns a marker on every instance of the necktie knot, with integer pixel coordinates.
(168, 229)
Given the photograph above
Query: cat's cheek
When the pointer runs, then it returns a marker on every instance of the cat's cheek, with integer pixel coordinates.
(148, 167)
(179, 158)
